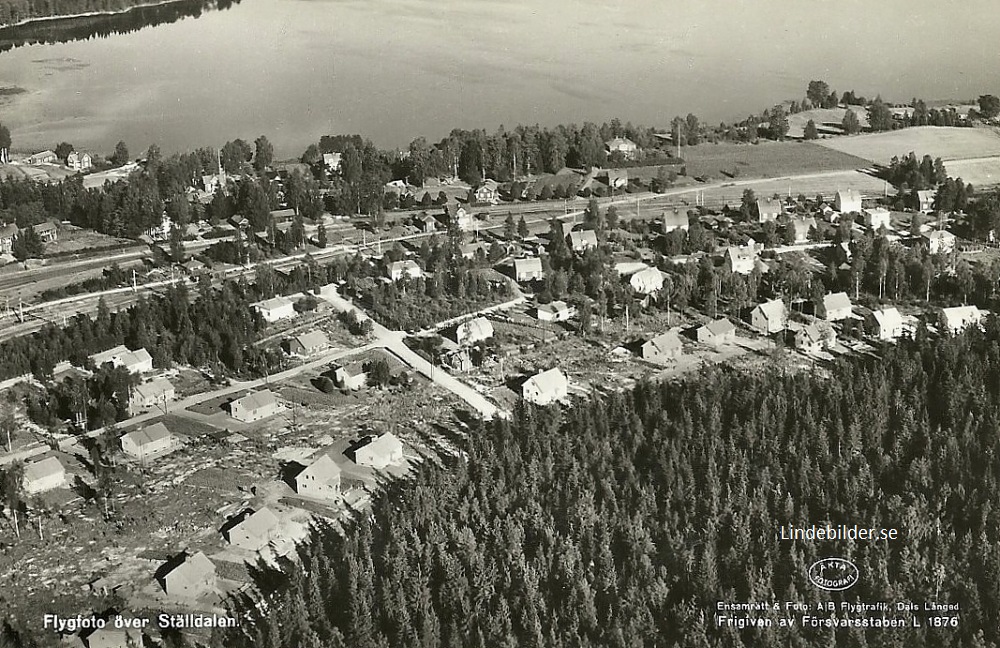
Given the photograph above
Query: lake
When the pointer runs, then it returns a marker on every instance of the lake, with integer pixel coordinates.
(395, 69)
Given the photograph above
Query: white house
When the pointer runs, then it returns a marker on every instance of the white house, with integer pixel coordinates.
(255, 406)
(925, 200)
(408, 268)
(157, 392)
(802, 227)
(663, 347)
(306, 344)
(545, 387)
(255, 531)
(769, 317)
(332, 161)
(148, 442)
(320, 479)
(717, 332)
(275, 309)
(740, 260)
(939, 241)
(768, 209)
(674, 220)
(623, 145)
(848, 201)
(886, 324)
(834, 307)
(877, 218)
(44, 475)
(137, 362)
(528, 269)
(192, 578)
(557, 311)
(380, 452)
(79, 161)
(961, 317)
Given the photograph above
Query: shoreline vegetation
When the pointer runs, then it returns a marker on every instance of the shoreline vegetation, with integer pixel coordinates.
(40, 20)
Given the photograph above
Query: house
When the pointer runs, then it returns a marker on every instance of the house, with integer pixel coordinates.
(210, 183)
(472, 331)
(79, 161)
(7, 235)
(48, 232)
(158, 391)
(255, 406)
(148, 442)
(545, 387)
(409, 268)
(960, 317)
(309, 343)
(488, 193)
(626, 147)
(802, 227)
(768, 209)
(617, 178)
(320, 479)
(834, 307)
(674, 220)
(427, 223)
(138, 361)
(275, 309)
(925, 201)
(380, 452)
(583, 240)
(812, 338)
(239, 221)
(528, 269)
(646, 282)
(877, 218)
(557, 311)
(939, 241)
(768, 317)
(45, 157)
(716, 332)
(848, 201)
(457, 214)
(44, 475)
(663, 347)
(254, 531)
(469, 250)
(885, 324)
(192, 578)
(740, 260)
(193, 267)
(350, 376)
(331, 161)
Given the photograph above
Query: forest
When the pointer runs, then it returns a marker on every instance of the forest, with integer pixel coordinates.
(17, 11)
(622, 520)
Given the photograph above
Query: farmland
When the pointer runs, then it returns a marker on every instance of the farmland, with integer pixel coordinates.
(764, 160)
(936, 141)
(981, 172)
(797, 121)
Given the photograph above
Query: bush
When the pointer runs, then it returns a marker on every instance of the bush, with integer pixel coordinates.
(325, 384)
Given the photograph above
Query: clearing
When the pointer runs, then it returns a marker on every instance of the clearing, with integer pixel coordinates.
(981, 172)
(936, 141)
(827, 120)
(764, 160)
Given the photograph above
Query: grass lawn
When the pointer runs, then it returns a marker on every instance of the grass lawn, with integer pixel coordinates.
(764, 160)
(936, 141)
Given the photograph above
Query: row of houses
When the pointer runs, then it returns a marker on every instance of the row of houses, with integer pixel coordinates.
(48, 233)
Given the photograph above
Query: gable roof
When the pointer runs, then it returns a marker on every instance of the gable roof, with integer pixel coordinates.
(312, 339)
(619, 142)
(259, 523)
(192, 569)
(549, 381)
(768, 206)
(773, 309)
(323, 469)
(274, 303)
(851, 195)
(478, 328)
(257, 400)
(926, 195)
(836, 301)
(154, 388)
(583, 237)
(38, 470)
(721, 326)
(940, 235)
(531, 264)
(149, 435)
(665, 342)
(810, 333)
(383, 444)
(675, 218)
(554, 307)
(888, 318)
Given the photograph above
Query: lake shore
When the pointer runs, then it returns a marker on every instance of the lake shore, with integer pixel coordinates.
(27, 22)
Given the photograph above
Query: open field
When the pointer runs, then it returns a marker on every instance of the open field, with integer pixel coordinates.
(981, 172)
(764, 160)
(936, 141)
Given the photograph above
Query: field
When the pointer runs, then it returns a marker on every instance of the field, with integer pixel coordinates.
(982, 172)
(946, 143)
(764, 160)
